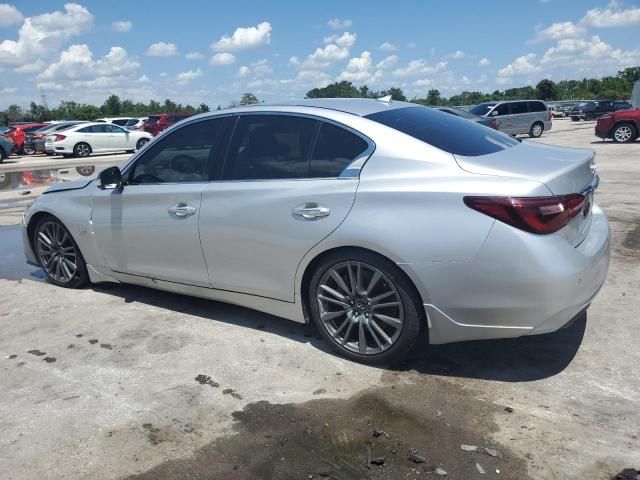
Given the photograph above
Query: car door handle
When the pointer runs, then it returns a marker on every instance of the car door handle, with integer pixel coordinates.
(311, 211)
(182, 210)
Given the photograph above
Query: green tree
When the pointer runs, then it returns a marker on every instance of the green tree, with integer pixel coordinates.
(112, 106)
(15, 113)
(396, 94)
(546, 90)
(343, 89)
(248, 99)
(169, 106)
(433, 97)
(203, 108)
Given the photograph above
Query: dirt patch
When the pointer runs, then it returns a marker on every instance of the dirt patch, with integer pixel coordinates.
(373, 435)
(632, 239)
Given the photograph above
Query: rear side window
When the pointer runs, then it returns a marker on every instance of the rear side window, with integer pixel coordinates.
(518, 107)
(537, 107)
(502, 109)
(482, 108)
(334, 151)
(446, 132)
(267, 147)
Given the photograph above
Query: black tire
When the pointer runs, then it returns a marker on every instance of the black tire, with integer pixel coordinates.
(28, 149)
(141, 143)
(82, 150)
(2, 155)
(575, 119)
(624, 133)
(588, 116)
(80, 277)
(411, 306)
(534, 131)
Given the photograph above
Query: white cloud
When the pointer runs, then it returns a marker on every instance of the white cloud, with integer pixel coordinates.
(419, 67)
(458, 54)
(162, 49)
(337, 24)
(223, 58)
(590, 54)
(194, 56)
(425, 82)
(524, 65)
(261, 67)
(243, 71)
(612, 16)
(8, 90)
(244, 37)
(77, 62)
(387, 62)
(9, 15)
(346, 40)
(484, 62)
(122, 26)
(41, 36)
(186, 77)
(336, 49)
(143, 79)
(49, 86)
(294, 61)
(358, 69)
(34, 67)
(387, 47)
(559, 30)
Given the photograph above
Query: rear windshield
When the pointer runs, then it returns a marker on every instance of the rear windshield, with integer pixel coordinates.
(482, 108)
(152, 119)
(446, 132)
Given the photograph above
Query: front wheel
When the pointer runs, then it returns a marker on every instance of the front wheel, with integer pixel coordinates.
(588, 116)
(536, 130)
(82, 150)
(58, 254)
(364, 307)
(624, 133)
(29, 149)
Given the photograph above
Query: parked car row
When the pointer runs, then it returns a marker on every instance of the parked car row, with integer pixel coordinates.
(517, 117)
(596, 108)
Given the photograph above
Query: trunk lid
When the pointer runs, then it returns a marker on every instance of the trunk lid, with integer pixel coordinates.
(563, 170)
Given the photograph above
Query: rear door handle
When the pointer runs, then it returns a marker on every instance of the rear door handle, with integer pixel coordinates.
(311, 211)
(182, 210)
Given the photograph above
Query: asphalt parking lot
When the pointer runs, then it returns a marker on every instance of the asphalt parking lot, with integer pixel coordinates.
(117, 381)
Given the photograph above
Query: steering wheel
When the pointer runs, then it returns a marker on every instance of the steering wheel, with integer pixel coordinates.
(185, 164)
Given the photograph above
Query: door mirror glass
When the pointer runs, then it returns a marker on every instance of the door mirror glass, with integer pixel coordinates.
(494, 113)
(110, 178)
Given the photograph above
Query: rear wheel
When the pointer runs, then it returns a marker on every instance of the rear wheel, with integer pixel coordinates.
(588, 116)
(575, 119)
(624, 133)
(82, 150)
(29, 149)
(58, 254)
(364, 307)
(536, 130)
(141, 143)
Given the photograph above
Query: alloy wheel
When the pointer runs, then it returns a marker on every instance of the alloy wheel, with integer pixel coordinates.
(623, 134)
(536, 130)
(360, 307)
(82, 150)
(57, 252)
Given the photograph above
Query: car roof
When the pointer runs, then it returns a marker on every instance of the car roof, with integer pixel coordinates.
(355, 106)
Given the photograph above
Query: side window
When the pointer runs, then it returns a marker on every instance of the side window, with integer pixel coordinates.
(182, 156)
(114, 129)
(266, 147)
(335, 149)
(537, 107)
(84, 130)
(502, 109)
(518, 107)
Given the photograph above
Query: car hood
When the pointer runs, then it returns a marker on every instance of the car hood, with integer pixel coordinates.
(64, 186)
(563, 170)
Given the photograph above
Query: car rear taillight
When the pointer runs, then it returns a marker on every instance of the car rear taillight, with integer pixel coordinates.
(494, 123)
(59, 138)
(539, 215)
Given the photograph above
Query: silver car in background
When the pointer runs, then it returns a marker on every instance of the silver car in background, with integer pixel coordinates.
(377, 221)
(517, 117)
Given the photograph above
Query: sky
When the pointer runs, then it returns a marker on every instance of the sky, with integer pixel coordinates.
(213, 52)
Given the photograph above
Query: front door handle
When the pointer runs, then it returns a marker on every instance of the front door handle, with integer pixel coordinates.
(182, 210)
(311, 211)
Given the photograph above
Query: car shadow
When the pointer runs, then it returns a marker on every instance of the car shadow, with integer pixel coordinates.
(521, 359)
(214, 311)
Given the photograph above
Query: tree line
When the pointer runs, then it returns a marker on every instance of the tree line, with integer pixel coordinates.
(617, 87)
(113, 106)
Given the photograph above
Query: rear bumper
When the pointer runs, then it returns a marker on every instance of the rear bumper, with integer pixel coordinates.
(26, 244)
(518, 284)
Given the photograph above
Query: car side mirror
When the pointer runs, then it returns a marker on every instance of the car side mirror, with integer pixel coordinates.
(110, 178)
(494, 113)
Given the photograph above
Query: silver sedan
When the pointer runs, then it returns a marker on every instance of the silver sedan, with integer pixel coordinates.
(381, 222)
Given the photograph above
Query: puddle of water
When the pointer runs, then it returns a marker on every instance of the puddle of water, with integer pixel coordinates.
(25, 179)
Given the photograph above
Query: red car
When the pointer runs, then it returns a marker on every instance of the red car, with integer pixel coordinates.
(622, 126)
(157, 123)
(18, 133)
